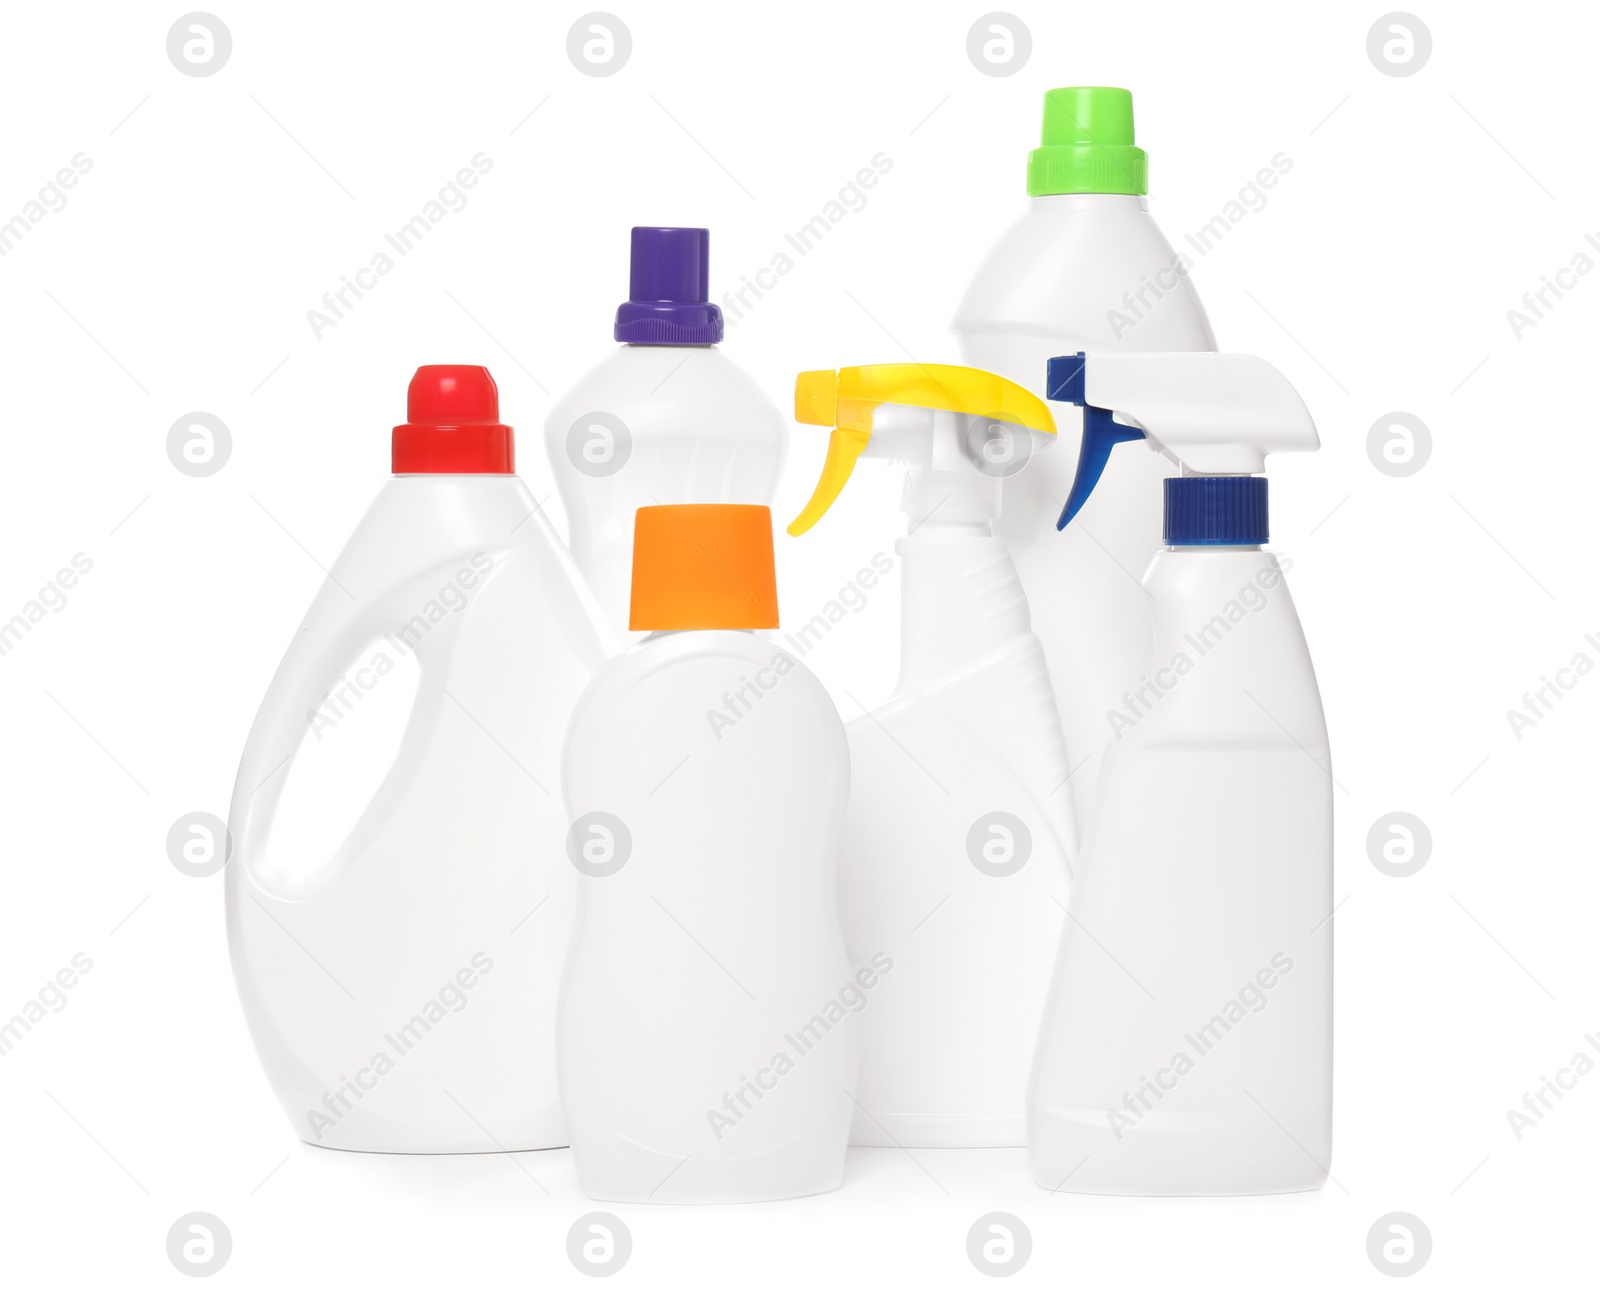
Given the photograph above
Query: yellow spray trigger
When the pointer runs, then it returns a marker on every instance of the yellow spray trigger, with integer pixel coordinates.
(844, 446)
(848, 398)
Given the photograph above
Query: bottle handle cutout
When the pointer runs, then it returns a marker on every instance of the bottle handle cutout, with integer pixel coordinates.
(329, 644)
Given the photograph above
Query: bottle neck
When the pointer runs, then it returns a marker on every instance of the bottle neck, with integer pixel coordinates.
(661, 633)
(967, 647)
(944, 528)
(953, 502)
(960, 598)
(1132, 202)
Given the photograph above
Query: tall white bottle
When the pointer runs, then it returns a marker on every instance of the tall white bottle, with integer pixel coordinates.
(1188, 1044)
(397, 997)
(708, 1021)
(959, 833)
(1085, 268)
(666, 418)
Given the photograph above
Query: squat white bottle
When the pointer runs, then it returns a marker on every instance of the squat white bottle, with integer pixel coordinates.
(708, 1013)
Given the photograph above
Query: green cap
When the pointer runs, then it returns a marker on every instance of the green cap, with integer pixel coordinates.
(1087, 145)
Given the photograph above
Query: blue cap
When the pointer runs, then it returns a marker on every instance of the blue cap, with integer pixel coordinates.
(668, 290)
(1216, 511)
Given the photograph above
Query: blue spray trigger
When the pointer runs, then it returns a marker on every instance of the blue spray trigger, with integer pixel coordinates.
(1064, 383)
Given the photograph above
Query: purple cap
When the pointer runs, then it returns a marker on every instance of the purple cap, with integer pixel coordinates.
(668, 300)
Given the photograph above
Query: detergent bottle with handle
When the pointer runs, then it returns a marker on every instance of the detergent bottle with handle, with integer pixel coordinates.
(400, 972)
(1188, 1044)
(665, 418)
(709, 1017)
(1085, 267)
(959, 833)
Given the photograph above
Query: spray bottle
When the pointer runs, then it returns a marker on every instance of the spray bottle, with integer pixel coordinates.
(1187, 1045)
(958, 834)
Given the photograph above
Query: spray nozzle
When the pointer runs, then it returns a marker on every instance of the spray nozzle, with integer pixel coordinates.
(920, 413)
(1212, 414)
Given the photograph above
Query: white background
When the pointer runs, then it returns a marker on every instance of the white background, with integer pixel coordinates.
(177, 278)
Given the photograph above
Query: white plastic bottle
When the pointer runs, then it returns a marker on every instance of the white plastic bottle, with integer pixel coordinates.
(959, 834)
(1085, 268)
(400, 979)
(666, 418)
(1188, 1044)
(708, 1017)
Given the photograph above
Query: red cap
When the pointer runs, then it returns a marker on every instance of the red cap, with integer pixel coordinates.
(453, 425)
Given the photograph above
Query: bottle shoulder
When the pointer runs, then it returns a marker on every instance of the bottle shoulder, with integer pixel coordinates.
(653, 387)
(423, 524)
(670, 678)
(1067, 261)
(1220, 575)
(658, 658)
(448, 501)
(1230, 666)
(1083, 224)
(729, 708)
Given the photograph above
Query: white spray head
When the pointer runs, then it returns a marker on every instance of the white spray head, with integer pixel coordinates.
(1212, 414)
